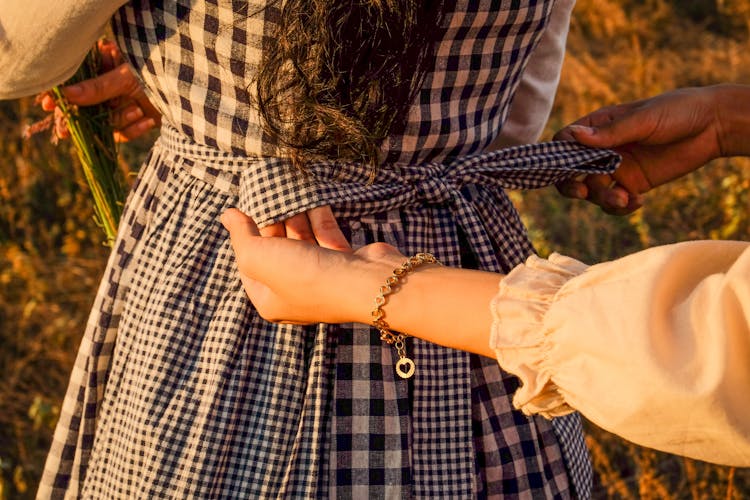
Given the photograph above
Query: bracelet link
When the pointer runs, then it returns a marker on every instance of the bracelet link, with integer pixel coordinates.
(405, 366)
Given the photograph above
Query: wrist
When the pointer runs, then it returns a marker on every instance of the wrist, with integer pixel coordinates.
(444, 305)
(405, 301)
(732, 115)
(359, 285)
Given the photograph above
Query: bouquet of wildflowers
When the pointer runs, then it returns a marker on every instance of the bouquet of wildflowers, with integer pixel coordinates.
(92, 135)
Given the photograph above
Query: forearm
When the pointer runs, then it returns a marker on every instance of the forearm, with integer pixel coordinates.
(733, 118)
(443, 305)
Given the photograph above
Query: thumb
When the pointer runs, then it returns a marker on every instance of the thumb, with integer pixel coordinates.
(252, 251)
(242, 230)
(247, 245)
(239, 225)
(620, 131)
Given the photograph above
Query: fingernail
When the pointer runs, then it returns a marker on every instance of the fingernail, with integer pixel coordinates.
(134, 114)
(582, 129)
(616, 200)
(48, 103)
(147, 124)
(73, 90)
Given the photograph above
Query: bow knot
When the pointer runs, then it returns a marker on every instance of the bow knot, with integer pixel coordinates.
(434, 190)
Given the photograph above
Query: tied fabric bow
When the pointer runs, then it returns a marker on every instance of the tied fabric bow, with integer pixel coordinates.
(461, 182)
(269, 190)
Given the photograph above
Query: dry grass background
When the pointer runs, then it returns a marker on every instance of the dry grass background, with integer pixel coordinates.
(51, 256)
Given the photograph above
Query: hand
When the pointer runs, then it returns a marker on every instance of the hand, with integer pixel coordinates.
(660, 139)
(294, 281)
(298, 282)
(133, 114)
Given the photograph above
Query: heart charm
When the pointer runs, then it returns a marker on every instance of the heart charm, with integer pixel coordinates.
(405, 367)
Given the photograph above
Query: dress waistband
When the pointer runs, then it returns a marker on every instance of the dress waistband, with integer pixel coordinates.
(270, 189)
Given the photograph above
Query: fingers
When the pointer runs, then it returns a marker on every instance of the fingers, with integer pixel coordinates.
(151, 118)
(573, 188)
(248, 250)
(135, 130)
(564, 135)
(617, 201)
(298, 227)
(596, 128)
(613, 198)
(326, 229)
(238, 224)
(602, 190)
(47, 102)
(133, 114)
(317, 225)
(286, 280)
(110, 54)
(276, 230)
(130, 123)
(591, 136)
(624, 128)
(596, 118)
(119, 83)
(61, 124)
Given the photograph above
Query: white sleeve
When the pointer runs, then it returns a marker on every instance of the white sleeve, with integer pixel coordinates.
(42, 42)
(654, 347)
(535, 95)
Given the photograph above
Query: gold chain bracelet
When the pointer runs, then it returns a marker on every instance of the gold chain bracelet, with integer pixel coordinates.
(404, 366)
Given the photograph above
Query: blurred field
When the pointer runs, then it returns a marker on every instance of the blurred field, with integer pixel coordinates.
(51, 256)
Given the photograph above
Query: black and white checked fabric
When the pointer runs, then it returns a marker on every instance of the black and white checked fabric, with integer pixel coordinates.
(180, 390)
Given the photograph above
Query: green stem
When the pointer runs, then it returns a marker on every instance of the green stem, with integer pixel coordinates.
(92, 136)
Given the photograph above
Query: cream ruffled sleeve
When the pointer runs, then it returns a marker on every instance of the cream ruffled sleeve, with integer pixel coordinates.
(42, 42)
(654, 347)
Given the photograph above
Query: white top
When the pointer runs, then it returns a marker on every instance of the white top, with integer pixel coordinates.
(654, 347)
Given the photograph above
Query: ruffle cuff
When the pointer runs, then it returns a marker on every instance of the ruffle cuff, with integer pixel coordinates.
(519, 337)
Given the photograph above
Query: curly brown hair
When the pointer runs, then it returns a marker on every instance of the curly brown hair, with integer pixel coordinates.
(343, 73)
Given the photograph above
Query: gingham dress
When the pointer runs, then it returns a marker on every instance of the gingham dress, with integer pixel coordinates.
(181, 390)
